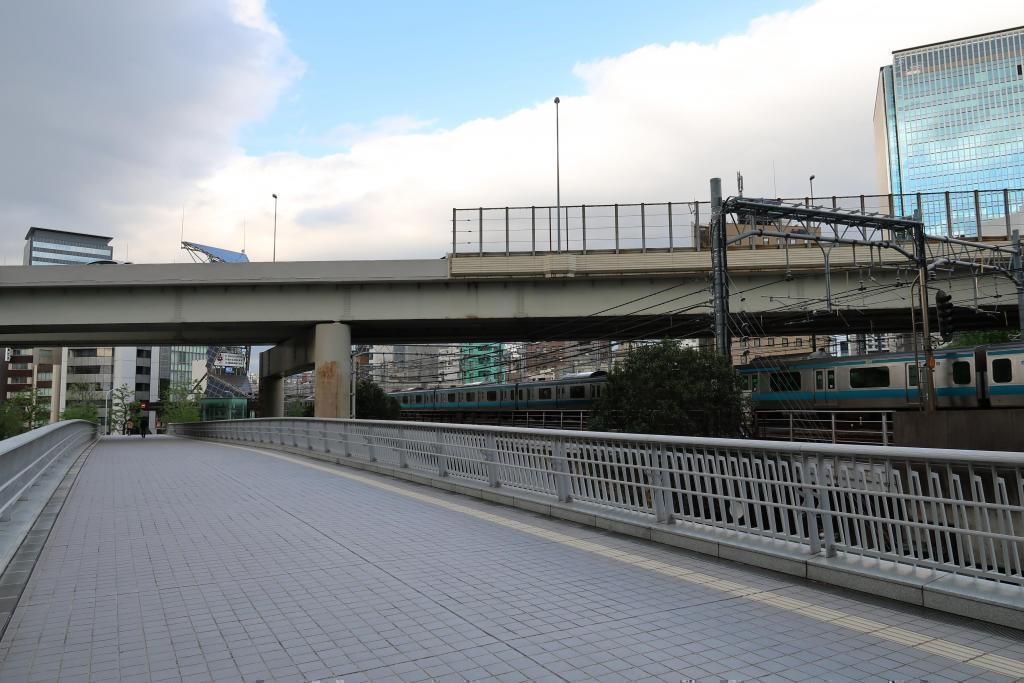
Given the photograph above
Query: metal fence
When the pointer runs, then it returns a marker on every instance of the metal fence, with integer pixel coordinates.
(954, 511)
(668, 226)
(826, 426)
(25, 457)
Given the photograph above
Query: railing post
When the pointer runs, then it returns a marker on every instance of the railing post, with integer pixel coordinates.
(454, 223)
(583, 225)
(480, 231)
(442, 453)
(491, 459)
(371, 446)
(533, 230)
(696, 225)
(885, 429)
(808, 488)
(791, 426)
(506, 231)
(670, 245)
(560, 465)
(1006, 212)
(663, 511)
(833, 416)
(977, 215)
(949, 216)
(616, 228)
(825, 506)
(643, 230)
(403, 440)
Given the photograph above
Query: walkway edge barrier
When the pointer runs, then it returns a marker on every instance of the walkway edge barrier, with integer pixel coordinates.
(23, 460)
(930, 527)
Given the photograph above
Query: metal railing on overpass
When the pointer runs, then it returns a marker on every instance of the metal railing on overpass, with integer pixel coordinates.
(944, 510)
(671, 226)
(24, 458)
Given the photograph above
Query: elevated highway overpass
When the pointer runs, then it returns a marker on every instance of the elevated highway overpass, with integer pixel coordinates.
(574, 296)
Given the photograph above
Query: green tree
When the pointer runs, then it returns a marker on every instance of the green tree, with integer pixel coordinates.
(299, 409)
(120, 408)
(181, 403)
(665, 389)
(981, 337)
(23, 412)
(79, 404)
(373, 404)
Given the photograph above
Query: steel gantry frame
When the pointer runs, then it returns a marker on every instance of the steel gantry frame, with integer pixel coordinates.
(828, 227)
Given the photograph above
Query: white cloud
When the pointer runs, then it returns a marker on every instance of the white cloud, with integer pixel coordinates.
(794, 90)
(113, 111)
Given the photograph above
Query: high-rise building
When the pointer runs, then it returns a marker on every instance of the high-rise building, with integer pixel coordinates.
(949, 117)
(40, 369)
(94, 371)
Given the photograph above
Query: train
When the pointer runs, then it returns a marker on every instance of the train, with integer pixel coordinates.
(577, 391)
(990, 376)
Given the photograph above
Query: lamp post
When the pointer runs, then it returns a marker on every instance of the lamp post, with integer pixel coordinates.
(811, 181)
(558, 180)
(275, 226)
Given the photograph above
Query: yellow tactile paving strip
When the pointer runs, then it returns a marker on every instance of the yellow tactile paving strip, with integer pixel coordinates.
(944, 648)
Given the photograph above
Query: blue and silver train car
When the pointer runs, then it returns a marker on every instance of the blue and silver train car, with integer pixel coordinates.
(572, 392)
(981, 377)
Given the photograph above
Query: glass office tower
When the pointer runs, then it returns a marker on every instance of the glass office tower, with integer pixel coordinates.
(949, 117)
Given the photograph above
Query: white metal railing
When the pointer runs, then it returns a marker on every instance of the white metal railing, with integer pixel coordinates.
(25, 457)
(954, 511)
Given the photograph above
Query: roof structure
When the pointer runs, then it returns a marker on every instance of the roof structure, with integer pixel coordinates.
(203, 252)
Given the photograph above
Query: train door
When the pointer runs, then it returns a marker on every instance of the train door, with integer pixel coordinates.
(981, 376)
(913, 391)
(824, 388)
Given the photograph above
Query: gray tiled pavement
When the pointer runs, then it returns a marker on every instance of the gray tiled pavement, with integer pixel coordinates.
(176, 560)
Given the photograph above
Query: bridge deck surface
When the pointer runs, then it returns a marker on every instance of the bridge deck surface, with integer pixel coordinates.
(185, 560)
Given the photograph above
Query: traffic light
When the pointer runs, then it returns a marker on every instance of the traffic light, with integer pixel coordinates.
(944, 312)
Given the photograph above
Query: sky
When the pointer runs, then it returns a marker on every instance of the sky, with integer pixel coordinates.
(149, 121)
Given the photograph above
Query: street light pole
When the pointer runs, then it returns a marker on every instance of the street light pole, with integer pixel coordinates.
(275, 226)
(558, 179)
(811, 181)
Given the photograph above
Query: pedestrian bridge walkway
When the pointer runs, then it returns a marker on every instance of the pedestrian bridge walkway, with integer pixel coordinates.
(175, 560)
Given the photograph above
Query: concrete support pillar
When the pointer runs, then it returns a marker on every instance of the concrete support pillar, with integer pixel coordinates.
(332, 361)
(272, 396)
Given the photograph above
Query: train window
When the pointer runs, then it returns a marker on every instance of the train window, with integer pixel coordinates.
(470, 396)
(819, 380)
(522, 394)
(492, 395)
(1002, 370)
(419, 398)
(784, 381)
(577, 391)
(545, 394)
(961, 372)
(452, 398)
(869, 378)
(911, 375)
(831, 379)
